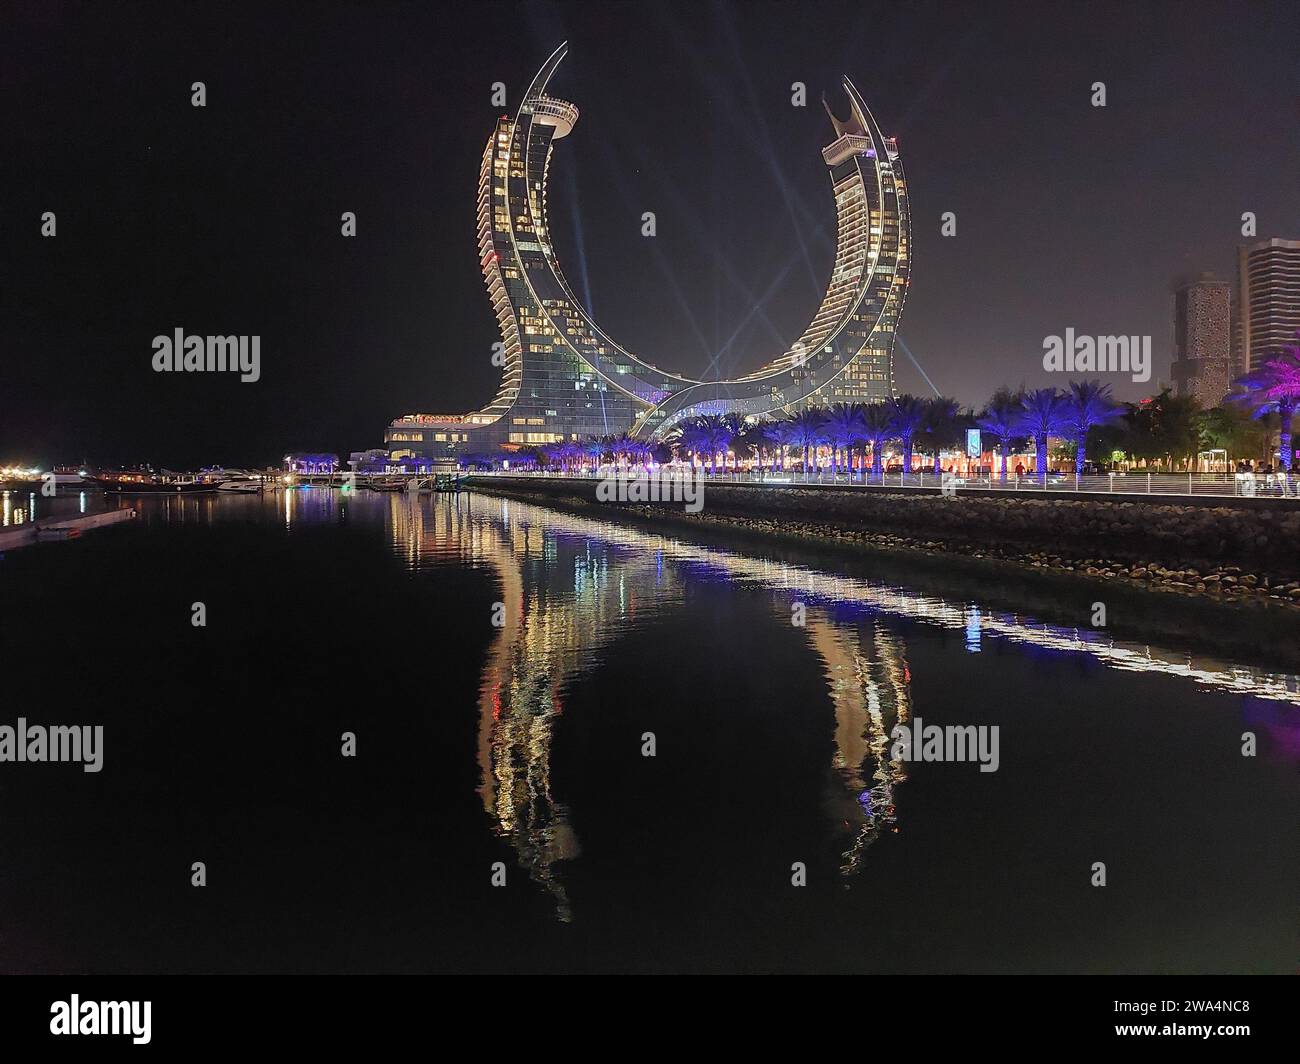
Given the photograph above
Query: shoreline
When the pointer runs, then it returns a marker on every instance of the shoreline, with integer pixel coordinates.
(1261, 578)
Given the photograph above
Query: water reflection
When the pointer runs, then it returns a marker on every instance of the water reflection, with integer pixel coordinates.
(867, 678)
(549, 633)
(18, 508)
(25, 507)
(570, 585)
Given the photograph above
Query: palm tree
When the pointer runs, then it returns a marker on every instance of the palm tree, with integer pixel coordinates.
(754, 438)
(1086, 404)
(620, 446)
(638, 451)
(685, 440)
(735, 438)
(808, 431)
(573, 451)
(940, 425)
(909, 418)
(716, 434)
(551, 453)
(786, 434)
(843, 429)
(877, 429)
(1001, 418)
(1273, 388)
(1043, 415)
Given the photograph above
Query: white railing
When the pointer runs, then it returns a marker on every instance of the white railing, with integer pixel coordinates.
(1221, 485)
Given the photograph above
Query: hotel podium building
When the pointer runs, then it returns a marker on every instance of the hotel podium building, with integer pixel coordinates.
(563, 378)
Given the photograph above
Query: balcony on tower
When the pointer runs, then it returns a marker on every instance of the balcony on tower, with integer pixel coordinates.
(845, 147)
(548, 111)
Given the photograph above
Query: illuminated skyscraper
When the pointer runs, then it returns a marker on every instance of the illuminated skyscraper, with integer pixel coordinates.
(1202, 338)
(563, 378)
(1268, 300)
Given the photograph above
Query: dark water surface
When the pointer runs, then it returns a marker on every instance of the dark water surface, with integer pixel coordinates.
(522, 744)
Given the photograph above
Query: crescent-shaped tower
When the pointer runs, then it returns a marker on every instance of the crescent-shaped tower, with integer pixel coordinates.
(564, 379)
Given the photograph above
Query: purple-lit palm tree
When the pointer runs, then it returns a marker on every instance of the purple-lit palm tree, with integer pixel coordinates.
(843, 430)
(1001, 418)
(1273, 388)
(551, 453)
(786, 434)
(877, 430)
(638, 451)
(735, 441)
(622, 447)
(1043, 414)
(717, 434)
(1087, 403)
(909, 419)
(688, 437)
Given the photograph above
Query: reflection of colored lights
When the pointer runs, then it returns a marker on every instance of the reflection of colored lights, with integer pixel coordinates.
(710, 563)
(973, 630)
(1281, 723)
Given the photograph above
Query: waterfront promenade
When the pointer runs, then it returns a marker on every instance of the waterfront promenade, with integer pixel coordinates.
(1181, 486)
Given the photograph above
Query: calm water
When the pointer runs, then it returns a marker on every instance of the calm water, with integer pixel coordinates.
(523, 744)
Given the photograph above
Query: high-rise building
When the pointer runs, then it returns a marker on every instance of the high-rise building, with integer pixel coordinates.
(564, 378)
(1202, 364)
(1268, 299)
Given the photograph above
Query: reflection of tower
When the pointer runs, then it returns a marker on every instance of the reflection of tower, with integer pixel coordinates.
(548, 636)
(867, 677)
(548, 639)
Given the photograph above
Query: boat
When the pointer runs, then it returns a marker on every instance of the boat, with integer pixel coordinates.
(241, 487)
(64, 484)
(182, 486)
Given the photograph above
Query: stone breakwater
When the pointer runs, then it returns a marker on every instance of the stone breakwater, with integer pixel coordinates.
(1224, 551)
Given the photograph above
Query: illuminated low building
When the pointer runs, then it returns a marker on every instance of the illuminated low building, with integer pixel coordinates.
(311, 463)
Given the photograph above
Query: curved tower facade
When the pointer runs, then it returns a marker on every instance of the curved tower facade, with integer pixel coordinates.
(563, 378)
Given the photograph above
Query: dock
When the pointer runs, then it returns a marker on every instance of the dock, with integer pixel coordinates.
(58, 529)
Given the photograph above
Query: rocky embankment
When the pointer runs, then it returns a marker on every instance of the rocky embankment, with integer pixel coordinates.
(1231, 552)
(1223, 580)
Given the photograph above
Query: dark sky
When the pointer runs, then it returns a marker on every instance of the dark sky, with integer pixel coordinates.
(226, 219)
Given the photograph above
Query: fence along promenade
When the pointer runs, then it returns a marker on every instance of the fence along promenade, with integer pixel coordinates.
(1169, 485)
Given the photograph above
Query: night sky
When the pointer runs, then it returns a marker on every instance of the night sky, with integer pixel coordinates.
(225, 219)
